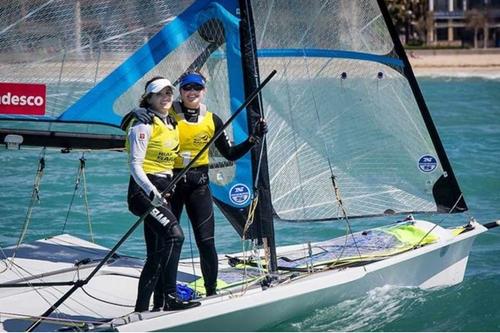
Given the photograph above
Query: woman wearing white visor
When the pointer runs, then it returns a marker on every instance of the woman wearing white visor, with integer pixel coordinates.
(152, 152)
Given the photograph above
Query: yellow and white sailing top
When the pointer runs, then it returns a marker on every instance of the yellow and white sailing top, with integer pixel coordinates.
(152, 149)
(193, 136)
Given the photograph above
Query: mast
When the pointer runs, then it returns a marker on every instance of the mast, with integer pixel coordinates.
(446, 191)
(262, 228)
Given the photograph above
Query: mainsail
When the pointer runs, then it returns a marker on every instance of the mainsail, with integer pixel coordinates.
(347, 107)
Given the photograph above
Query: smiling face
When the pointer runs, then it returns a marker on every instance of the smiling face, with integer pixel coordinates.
(192, 95)
(161, 101)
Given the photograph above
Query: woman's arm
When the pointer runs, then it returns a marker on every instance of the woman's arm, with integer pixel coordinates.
(232, 153)
(139, 135)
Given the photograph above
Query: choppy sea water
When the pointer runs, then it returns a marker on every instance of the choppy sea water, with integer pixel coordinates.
(466, 112)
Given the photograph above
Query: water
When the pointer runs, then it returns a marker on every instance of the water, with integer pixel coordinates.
(467, 115)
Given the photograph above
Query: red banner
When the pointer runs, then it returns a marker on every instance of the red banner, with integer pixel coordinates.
(22, 98)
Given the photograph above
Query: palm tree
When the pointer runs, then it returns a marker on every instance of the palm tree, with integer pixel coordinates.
(407, 14)
(476, 20)
(487, 19)
(424, 24)
(397, 10)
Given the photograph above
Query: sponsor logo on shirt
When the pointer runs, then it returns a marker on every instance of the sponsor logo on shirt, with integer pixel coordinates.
(201, 139)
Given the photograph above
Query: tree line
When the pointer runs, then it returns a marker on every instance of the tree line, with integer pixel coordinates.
(413, 20)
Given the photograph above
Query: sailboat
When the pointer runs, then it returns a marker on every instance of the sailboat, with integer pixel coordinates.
(350, 136)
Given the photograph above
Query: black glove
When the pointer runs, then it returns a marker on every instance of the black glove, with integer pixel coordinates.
(260, 129)
(141, 114)
(126, 120)
(258, 132)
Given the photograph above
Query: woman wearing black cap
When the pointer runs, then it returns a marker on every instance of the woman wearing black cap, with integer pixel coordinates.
(152, 152)
(197, 126)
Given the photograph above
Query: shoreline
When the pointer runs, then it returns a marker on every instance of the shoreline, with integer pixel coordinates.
(455, 63)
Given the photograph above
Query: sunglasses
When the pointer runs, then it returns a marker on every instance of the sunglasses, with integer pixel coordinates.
(189, 87)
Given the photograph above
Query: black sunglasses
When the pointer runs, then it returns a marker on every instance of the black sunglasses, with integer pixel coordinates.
(196, 87)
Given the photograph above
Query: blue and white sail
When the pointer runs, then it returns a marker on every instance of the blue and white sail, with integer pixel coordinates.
(344, 106)
(102, 53)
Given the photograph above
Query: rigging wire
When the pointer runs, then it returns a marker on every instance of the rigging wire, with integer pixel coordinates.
(52, 320)
(338, 197)
(253, 247)
(249, 221)
(79, 176)
(16, 269)
(442, 220)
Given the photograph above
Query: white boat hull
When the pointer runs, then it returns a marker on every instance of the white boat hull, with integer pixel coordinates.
(435, 265)
(439, 264)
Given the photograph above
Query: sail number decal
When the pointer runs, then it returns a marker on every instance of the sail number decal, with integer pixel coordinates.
(22, 98)
(427, 163)
(239, 194)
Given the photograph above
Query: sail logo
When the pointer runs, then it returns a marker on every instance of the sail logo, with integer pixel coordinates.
(427, 163)
(239, 194)
(22, 98)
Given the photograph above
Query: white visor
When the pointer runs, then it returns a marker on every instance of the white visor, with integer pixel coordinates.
(157, 85)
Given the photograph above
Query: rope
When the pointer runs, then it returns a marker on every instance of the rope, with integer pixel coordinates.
(104, 301)
(251, 215)
(85, 198)
(35, 197)
(249, 221)
(345, 216)
(77, 182)
(16, 269)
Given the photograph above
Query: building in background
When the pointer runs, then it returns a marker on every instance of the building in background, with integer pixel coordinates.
(464, 23)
